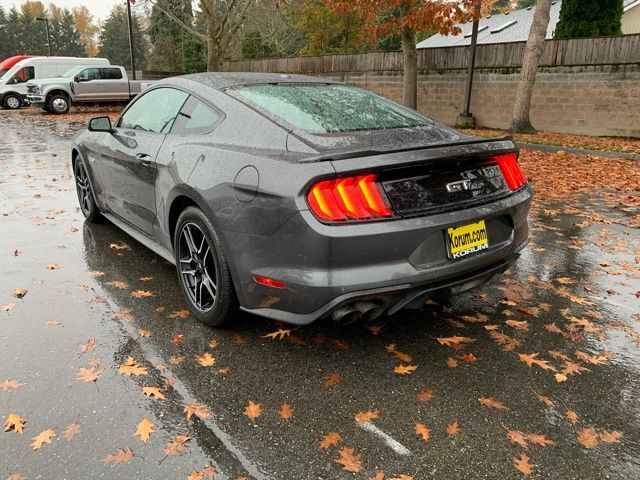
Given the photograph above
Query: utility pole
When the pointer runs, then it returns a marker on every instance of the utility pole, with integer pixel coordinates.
(129, 23)
(46, 26)
(466, 118)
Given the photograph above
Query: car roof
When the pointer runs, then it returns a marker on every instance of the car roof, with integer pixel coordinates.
(223, 80)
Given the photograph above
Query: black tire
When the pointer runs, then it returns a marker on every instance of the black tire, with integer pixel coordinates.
(86, 197)
(12, 101)
(58, 104)
(204, 262)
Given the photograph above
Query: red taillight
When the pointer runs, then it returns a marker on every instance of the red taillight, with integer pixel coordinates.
(349, 198)
(269, 282)
(511, 170)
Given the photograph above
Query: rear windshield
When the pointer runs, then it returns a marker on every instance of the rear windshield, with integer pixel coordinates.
(322, 108)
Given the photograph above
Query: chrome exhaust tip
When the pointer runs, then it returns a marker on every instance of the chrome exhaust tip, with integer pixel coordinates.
(369, 311)
(346, 315)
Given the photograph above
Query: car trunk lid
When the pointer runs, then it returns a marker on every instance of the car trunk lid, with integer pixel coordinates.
(435, 178)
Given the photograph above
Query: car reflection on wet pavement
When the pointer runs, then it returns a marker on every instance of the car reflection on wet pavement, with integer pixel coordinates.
(537, 371)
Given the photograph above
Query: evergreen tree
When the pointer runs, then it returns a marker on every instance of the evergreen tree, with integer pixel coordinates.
(501, 6)
(255, 45)
(13, 33)
(65, 39)
(5, 41)
(175, 49)
(526, 3)
(114, 39)
(589, 18)
(32, 37)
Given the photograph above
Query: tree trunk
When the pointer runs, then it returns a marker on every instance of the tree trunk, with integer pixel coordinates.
(520, 121)
(213, 53)
(410, 68)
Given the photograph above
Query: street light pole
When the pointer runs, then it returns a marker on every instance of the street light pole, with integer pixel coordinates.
(129, 23)
(466, 118)
(46, 26)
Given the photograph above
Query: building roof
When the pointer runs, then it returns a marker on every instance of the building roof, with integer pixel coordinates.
(499, 28)
(627, 4)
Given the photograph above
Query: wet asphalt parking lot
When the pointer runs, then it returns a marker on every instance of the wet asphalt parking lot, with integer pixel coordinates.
(479, 404)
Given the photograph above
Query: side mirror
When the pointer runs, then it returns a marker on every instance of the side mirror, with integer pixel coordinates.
(100, 124)
(79, 79)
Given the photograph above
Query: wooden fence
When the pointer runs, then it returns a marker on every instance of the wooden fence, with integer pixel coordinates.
(619, 50)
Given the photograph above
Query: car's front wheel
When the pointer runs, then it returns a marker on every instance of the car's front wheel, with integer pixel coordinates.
(86, 198)
(12, 101)
(58, 104)
(203, 270)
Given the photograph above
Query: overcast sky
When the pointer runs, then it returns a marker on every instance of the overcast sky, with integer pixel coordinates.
(99, 8)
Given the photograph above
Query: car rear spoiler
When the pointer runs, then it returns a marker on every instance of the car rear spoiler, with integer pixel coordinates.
(372, 153)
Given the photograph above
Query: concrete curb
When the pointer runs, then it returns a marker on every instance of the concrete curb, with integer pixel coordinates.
(578, 151)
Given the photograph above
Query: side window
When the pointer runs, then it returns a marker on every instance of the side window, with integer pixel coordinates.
(195, 117)
(89, 74)
(111, 74)
(24, 75)
(154, 111)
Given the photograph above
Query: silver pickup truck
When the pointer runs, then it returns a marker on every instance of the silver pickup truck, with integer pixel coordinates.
(84, 85)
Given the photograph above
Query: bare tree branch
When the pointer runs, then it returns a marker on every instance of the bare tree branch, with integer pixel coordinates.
(184, 25)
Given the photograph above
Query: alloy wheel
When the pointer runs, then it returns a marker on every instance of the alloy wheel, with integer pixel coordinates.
(197, 267)
(83, 188)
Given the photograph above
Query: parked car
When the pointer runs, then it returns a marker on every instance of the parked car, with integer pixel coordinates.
(13, 84)
(84, 85)
(297, 198)
(7, 63)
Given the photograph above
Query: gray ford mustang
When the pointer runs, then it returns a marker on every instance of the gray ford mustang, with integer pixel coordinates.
(297, 198)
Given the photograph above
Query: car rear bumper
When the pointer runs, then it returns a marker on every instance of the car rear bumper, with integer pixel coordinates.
(401, 260)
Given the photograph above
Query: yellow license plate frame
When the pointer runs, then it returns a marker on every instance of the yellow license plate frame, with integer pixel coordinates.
(467, 239)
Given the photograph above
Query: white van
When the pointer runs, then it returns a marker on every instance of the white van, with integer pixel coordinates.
(13, 84)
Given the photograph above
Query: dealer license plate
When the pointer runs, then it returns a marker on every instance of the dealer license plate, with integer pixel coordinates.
(467, 239)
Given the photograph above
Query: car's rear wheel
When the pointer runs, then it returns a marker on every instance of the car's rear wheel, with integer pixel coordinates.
(58, 104)
(203, 270)
(12, 101)
(86, 199)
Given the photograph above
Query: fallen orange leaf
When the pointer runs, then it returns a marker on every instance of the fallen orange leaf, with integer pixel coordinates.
(15, 422)
(367, 416)
(153, 392)
(424, 395)
(132, 367)
(331, 439)
(588, 438)
(331, 380)
(522, 464)
(610, 437)
(144, 430)
(286, 411)
(492, 403)
(349, 460)
(205, 360)
(122, 456)
(252, 410)
(42, 438)
(177, 446)
(71, 431)
(453, 429)
(7, 384)
(197, 409)
(422, 430)
(404, 369)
